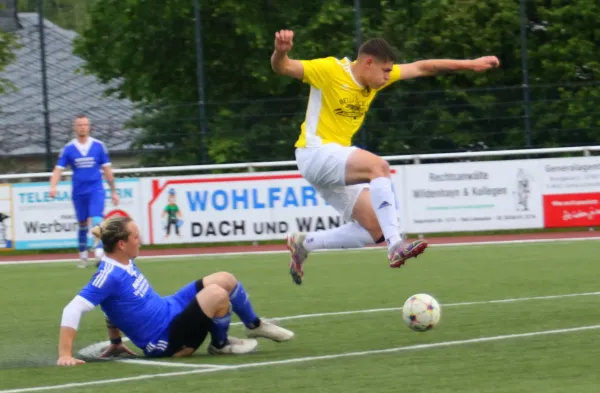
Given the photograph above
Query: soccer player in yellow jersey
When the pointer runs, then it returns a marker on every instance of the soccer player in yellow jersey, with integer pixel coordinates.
(354, 181)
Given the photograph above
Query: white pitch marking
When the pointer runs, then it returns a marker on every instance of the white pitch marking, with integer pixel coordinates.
(305, 359)
(94, 349)
(171, 364)
(246, 253)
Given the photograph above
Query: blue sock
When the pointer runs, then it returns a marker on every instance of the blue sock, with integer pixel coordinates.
(97, 221)
(219, 330)
(240, 303)
(82, 235)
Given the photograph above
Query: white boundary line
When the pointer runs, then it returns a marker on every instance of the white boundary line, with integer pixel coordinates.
(245, 253)
(93, 349)
(475, 303)
(173, 364)
(307, 359)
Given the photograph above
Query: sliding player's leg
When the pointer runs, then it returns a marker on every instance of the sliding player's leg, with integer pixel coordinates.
(209, 311)
(242, 307)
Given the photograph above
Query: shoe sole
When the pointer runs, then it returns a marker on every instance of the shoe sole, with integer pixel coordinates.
(249, 335)
(214, 352)
(296, 277)
(415, 252)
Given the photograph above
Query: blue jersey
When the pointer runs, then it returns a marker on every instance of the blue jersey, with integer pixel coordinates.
(86, 161)
(128, 300)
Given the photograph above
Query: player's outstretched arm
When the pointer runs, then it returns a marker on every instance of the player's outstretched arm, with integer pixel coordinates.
(438, 66)
(280, 62)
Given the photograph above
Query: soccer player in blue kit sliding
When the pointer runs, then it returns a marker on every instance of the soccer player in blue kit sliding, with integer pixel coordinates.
(171, 326)
(88, 158)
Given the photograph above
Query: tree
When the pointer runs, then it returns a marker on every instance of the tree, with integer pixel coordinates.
(457, 111)
(566, 63)
(68, 14)
(151, 51)
(8, 44)
(254, 115)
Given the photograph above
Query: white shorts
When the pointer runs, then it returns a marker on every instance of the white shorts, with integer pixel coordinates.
(324, 168)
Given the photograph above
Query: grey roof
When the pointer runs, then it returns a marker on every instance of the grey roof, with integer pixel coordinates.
(22, 128)
(8, 15)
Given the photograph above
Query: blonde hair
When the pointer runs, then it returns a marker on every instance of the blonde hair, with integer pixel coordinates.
(111, 231)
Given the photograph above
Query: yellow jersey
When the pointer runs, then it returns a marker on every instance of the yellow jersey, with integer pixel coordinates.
(337, 103)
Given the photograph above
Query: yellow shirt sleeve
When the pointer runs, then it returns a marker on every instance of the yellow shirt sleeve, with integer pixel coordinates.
(317, 72)
(394, 76)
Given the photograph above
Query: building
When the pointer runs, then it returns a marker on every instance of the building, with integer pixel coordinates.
(70, 92)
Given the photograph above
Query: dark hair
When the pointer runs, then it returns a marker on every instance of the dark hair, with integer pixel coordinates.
(81, 116)
(379, 49)
(112, 231)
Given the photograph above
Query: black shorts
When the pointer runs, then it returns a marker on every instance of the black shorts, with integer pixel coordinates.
(189, 328)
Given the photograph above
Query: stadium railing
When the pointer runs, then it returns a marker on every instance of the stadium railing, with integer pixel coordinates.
(251, 166)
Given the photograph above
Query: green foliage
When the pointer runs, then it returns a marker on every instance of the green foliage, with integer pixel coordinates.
(8, 44)
(68, 14)
(254, 115)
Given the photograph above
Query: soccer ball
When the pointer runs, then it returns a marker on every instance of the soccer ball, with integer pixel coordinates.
(421, 312)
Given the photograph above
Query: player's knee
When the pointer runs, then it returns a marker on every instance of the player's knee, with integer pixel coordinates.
(225, 280)
(213, 300)
(380, 168)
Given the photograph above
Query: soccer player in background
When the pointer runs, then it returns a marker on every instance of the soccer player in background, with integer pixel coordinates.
(170, 326)
(88, 158)
(354, 181)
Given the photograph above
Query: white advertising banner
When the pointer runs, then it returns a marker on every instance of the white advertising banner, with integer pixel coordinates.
(570, 175)
(448, 197)
(43, 222)
(234, 207)
(6, 219)
(472, 196)
(571, 191)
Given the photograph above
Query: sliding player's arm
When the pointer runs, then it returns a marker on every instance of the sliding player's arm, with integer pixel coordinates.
(280, 62)
(116, 346)
(68, 330)
(434, 67)
(95, 292)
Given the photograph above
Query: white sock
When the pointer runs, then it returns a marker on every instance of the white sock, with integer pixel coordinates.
(83, 255)
(384, 203)
(350, 235)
